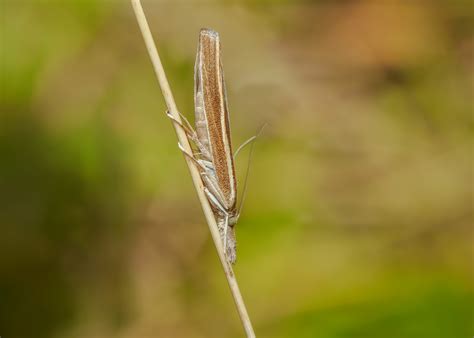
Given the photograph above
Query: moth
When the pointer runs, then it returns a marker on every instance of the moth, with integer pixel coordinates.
(212, 151)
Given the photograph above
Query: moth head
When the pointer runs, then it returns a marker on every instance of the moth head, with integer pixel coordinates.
(233, 219)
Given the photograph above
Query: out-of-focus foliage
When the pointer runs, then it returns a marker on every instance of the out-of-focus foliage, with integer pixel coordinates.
(358, 218)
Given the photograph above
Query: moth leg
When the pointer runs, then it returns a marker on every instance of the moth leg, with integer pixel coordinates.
(207, 180)
(211, 185)
(187, 122)
(203, 150)
(190, 133)
(191, 157)
(187, 129)
(222, 220)
(214, 200)
(208, 164)
(215, 196)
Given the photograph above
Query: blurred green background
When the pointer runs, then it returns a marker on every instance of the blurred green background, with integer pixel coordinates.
(358, 218)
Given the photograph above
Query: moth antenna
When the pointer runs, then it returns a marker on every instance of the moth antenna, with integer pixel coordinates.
(250, 140)
(243, 145)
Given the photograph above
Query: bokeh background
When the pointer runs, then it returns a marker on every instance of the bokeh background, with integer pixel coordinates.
(358, 218)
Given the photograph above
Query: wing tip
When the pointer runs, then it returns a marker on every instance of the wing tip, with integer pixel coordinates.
(208, 32)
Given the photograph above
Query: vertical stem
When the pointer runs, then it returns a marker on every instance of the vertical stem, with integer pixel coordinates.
(183, 140)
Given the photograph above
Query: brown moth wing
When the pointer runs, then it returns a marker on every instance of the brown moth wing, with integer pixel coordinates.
(212, 115)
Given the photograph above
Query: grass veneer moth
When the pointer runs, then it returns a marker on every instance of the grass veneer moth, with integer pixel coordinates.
(212, 151)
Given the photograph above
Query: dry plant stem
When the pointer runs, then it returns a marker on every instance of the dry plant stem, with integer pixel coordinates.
(183, 140)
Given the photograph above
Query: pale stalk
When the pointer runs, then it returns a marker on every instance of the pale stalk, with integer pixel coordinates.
(196, 177)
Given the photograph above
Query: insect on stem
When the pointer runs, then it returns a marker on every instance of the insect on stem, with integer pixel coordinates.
(224, 191)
